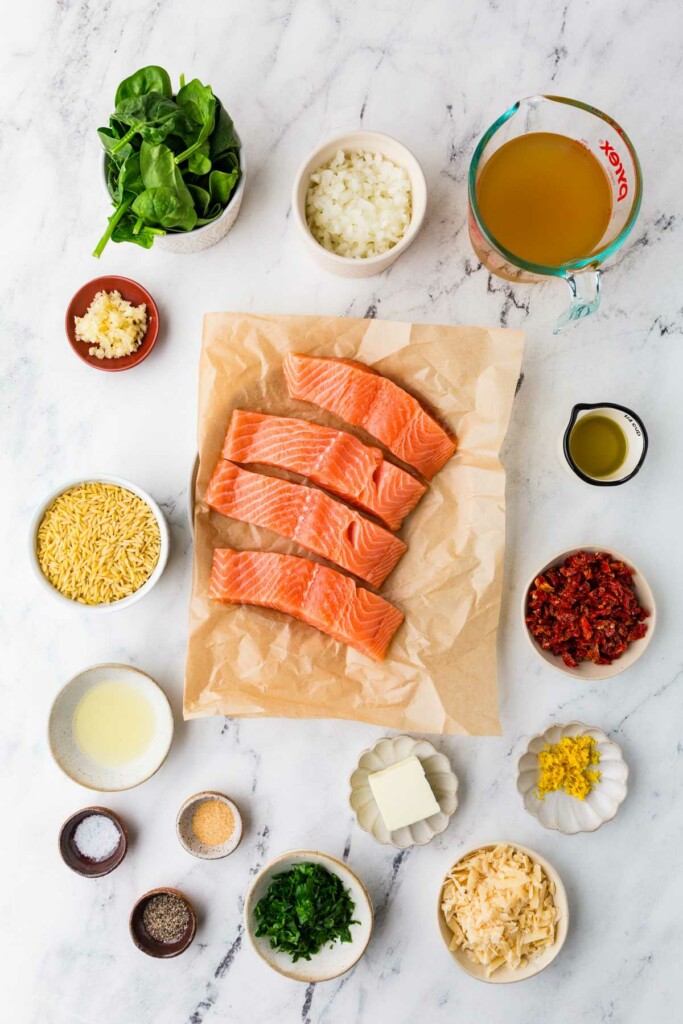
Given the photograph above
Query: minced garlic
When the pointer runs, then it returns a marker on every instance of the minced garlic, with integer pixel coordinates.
(566, 765)
(112, 326)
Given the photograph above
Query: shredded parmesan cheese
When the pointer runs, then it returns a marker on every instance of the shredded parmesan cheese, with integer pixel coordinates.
(112, 326)
(500, 906)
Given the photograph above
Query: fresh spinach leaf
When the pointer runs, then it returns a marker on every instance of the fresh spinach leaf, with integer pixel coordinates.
(149, 79)
(165, 207)
(200, 198)
(224, 136)
(221, 185)
(199, 162)
(199, 102)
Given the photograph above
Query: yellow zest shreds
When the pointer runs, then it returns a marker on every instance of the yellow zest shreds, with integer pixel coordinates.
(98, 543)
(566, 765)
(112, 326)
(500, 906)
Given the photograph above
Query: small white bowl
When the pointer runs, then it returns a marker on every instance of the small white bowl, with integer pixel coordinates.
(440, 776)
(565, 813)
(587, 671)
(190, 842)
(358, 141)
(505, 975)
(78, 766)
(125, 602)
(188, 242)
(330, 961)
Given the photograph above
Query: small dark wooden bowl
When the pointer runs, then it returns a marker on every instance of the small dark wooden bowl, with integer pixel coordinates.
(132, 292)
(144, 941)
(74, 859)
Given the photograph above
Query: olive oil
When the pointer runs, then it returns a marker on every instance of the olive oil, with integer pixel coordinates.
(113, 723)
(545, 198)
(598, 445)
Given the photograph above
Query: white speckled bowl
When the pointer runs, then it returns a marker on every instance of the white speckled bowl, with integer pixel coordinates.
(586, 671)
(330, 961)
(190, 842)
(565, 813)
(440, 776)
(358, 141)
(505, 975)
(78, 766)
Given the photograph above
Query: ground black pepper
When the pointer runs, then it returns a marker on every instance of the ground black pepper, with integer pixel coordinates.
(166, 917)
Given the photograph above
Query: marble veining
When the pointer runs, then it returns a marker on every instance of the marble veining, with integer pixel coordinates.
(434, 74)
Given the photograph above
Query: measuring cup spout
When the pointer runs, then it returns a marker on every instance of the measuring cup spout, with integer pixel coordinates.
(585, 298)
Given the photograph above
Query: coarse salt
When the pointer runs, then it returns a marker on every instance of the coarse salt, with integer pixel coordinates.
(97, 837)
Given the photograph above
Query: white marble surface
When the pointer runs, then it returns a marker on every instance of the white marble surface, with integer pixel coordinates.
(434, 74)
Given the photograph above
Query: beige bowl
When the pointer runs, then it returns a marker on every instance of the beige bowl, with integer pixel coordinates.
(188, 839)
(505, 975)
(330, 961)
(375, 142)
(586, 671)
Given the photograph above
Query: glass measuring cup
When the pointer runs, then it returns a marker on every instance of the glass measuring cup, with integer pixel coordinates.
(613, 149)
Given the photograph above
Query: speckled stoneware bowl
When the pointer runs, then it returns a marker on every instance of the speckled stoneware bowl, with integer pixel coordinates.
(565, 813)
(187, 837)
(440, 776)
(506, 975)
(81, 768)
(330, 961)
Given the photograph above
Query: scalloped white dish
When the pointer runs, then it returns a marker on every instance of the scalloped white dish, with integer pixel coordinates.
(441, 778)
(566, 813)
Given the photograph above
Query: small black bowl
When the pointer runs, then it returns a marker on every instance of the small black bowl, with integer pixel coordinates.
(72, 856)
(144, 941)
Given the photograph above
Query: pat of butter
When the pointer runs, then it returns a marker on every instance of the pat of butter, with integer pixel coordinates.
(403, 793)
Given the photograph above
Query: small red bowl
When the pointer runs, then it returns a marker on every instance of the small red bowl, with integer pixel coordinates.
(132, 292)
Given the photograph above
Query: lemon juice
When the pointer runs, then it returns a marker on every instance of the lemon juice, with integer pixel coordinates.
(113, 723)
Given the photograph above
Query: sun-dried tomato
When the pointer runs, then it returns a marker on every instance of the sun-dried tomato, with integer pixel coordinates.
(586, 609)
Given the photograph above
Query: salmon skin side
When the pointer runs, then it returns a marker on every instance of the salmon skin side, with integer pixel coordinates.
(316, 595)
(308, 516)
(330, 458)
(361, 396)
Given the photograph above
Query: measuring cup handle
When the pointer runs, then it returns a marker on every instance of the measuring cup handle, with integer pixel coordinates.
(585, 298)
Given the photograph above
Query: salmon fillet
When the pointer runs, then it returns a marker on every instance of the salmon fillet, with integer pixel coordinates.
(359, 395)
(308, 516)
(319, 596)
(330, 458)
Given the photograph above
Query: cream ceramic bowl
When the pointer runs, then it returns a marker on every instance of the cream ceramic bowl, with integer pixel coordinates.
(330, 961)
(565, 813)
(586, 671)
(125, 602)
(375, 142)
(77, 765)
(188, 839)
(505, 975)
(188, 242)
(440, 776)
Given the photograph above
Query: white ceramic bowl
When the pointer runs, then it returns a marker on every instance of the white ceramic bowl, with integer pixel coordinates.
(187, 242)
(586, 671)
(565, 813)
(78, 766)
(440, 776)
(329, 962)
(505, 975)
(190, 842)
(114, 605)
(375, 142)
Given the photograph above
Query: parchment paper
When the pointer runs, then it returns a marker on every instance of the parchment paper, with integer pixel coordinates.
(440, 672)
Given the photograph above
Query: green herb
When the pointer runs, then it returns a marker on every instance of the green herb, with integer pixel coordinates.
(304, 909)
(171, 163)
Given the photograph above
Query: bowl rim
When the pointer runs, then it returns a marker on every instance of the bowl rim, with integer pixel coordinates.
(587, 728)
(247, 912)
(200, 797)
(645, 596)
(415, 172)
(159, 890)
(434, 751)
(137, 595)
(235, 198)
(107, 813)
(140, 353)
(128, 668)
(560, 899)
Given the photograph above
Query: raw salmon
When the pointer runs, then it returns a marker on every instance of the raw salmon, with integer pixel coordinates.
(330, 458)
(359, 395)
(308, 516)
(319, 596)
